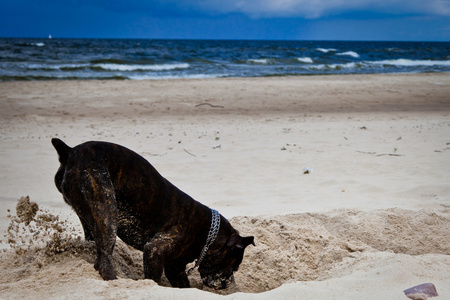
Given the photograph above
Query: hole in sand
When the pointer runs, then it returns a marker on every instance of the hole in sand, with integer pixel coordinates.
(299, 247)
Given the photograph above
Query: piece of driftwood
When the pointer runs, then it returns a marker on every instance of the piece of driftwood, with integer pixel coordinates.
(380, 154)
(189, 153)
(209, 104)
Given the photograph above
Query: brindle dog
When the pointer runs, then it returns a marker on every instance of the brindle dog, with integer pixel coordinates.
(115, 191)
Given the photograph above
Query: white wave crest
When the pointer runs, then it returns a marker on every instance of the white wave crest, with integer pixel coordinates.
(351, 65)
(53, 66)
(325, 50)
(260, 61)
(129, 68)
(184, 76)
(349, 53)
(306, 60)
(411, 63)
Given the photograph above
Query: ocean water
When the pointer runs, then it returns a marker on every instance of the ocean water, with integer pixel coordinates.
(58, 59)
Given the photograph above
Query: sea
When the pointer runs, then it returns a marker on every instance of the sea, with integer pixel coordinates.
(136, 59)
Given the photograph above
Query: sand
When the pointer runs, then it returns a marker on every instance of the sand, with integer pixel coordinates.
(369, 219)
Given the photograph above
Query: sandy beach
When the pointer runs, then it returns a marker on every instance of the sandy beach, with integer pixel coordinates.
(343, 180)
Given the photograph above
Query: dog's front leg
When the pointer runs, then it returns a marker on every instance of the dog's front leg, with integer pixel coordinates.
(176, 273)
(158, 256)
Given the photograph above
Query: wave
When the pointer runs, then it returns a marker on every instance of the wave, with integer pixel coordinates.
(37, 77)
(349, 53)
(24, 44)
(259, 61)
(104, 67)
(61, 67)
(179, 76)
(306, 60)
(402, 62)
(275, 61)
(130, 68)
(350, 65)
(326, 50)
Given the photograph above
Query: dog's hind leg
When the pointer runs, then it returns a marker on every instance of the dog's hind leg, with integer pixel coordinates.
(104, 220)
(87, 231)
(91, 194)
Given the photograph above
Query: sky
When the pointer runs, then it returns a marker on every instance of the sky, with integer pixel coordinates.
(387, 20)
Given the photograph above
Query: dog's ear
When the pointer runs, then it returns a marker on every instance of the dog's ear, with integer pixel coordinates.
(236, 241)
(245, 241)
(62, 149)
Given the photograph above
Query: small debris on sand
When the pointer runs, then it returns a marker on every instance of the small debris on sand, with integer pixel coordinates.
(421, 291)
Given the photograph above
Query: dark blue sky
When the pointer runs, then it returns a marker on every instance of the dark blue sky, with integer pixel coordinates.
(399, 20)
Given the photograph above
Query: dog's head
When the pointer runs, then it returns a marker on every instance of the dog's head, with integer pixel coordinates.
(217, 268)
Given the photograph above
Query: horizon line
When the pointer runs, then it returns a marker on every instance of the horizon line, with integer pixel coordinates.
(222, 39)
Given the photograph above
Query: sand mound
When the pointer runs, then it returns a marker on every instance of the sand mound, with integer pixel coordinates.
(396, 230)
(304, 247)
(298, 247)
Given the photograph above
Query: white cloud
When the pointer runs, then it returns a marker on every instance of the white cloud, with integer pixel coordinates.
(318, 8)
(309, 9)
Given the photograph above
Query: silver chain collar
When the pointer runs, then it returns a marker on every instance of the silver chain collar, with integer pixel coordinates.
(213, 231)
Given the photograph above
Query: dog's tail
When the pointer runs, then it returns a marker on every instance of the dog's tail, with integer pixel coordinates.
(62, 149)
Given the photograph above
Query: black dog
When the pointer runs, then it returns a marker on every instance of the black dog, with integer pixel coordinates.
(115, 191)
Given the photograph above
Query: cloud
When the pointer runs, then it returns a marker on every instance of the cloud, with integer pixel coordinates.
(318, 8)
(309, 9)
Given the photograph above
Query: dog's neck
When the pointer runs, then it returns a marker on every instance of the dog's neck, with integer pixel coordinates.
(212, 235)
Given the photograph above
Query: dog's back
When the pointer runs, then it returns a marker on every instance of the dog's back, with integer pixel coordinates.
(94, 173)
